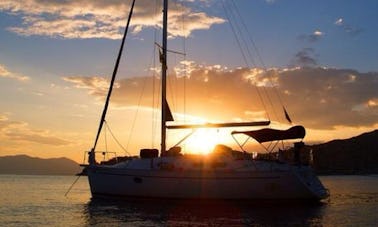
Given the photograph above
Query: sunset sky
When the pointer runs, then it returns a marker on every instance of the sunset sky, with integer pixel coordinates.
(56, 58)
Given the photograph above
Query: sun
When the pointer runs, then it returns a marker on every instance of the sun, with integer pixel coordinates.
(202, 141)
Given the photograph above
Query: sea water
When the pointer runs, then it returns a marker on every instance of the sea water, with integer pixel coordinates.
(41, 201)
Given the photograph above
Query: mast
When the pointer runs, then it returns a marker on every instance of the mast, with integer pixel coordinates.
(164, 79)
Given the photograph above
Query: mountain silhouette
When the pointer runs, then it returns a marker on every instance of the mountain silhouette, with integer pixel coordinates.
(356, 155)
(26, 165)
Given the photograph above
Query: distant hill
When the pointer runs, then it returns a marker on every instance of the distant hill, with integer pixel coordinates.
(26, 165)
(356, 155)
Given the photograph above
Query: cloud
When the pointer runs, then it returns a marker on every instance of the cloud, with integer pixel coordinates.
(330, 96)
(318, 33)
(351, 30)
(83, 19)
(96, 85)
(5, 73)
(270, 1)
(36, 138)
(339, 22)
(305, 57)
(21, 131)
(318, 98)
(311, 38)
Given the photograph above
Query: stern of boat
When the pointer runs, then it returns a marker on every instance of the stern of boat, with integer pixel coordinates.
(309, 179)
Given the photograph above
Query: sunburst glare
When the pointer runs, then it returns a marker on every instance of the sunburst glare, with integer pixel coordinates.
(204, 140)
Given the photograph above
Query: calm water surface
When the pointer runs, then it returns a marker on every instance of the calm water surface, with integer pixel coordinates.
(40, 201)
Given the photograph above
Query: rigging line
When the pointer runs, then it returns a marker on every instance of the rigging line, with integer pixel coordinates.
(244, 57)
(105, 138)
(69, 189)
(152, 62)
(175, 79)
(270, 101)
(136, 112)
(185, 63)
(154, 106)
(247, 49)
(240, 32)
(171, 75)
(153, 124)
(238, 15)
(113, 76)
(156, 102)
(262, 101)
(249, 34)
(258, 53)
(175, 86)
(185, 137)
(157, 106)
(179, 77)
(171, 81)
(245, 28)
(170, 51)
(235, 34)
(116, 140)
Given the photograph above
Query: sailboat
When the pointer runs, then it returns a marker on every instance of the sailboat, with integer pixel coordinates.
(224, 174)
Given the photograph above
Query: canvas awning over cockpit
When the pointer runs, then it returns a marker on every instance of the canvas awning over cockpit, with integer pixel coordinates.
(268, 134)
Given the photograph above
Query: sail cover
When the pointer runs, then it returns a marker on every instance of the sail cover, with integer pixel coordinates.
(267, 134)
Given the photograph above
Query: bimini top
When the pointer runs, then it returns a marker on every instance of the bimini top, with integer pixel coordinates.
(268, 134)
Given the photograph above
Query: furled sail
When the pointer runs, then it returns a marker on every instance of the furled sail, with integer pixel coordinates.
(220, 125)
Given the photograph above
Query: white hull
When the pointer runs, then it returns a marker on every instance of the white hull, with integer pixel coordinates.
(293, 183)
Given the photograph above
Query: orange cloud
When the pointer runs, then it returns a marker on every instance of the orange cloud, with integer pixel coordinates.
(96, 85)
(319, 98)
(5, 73)
(21, 131)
